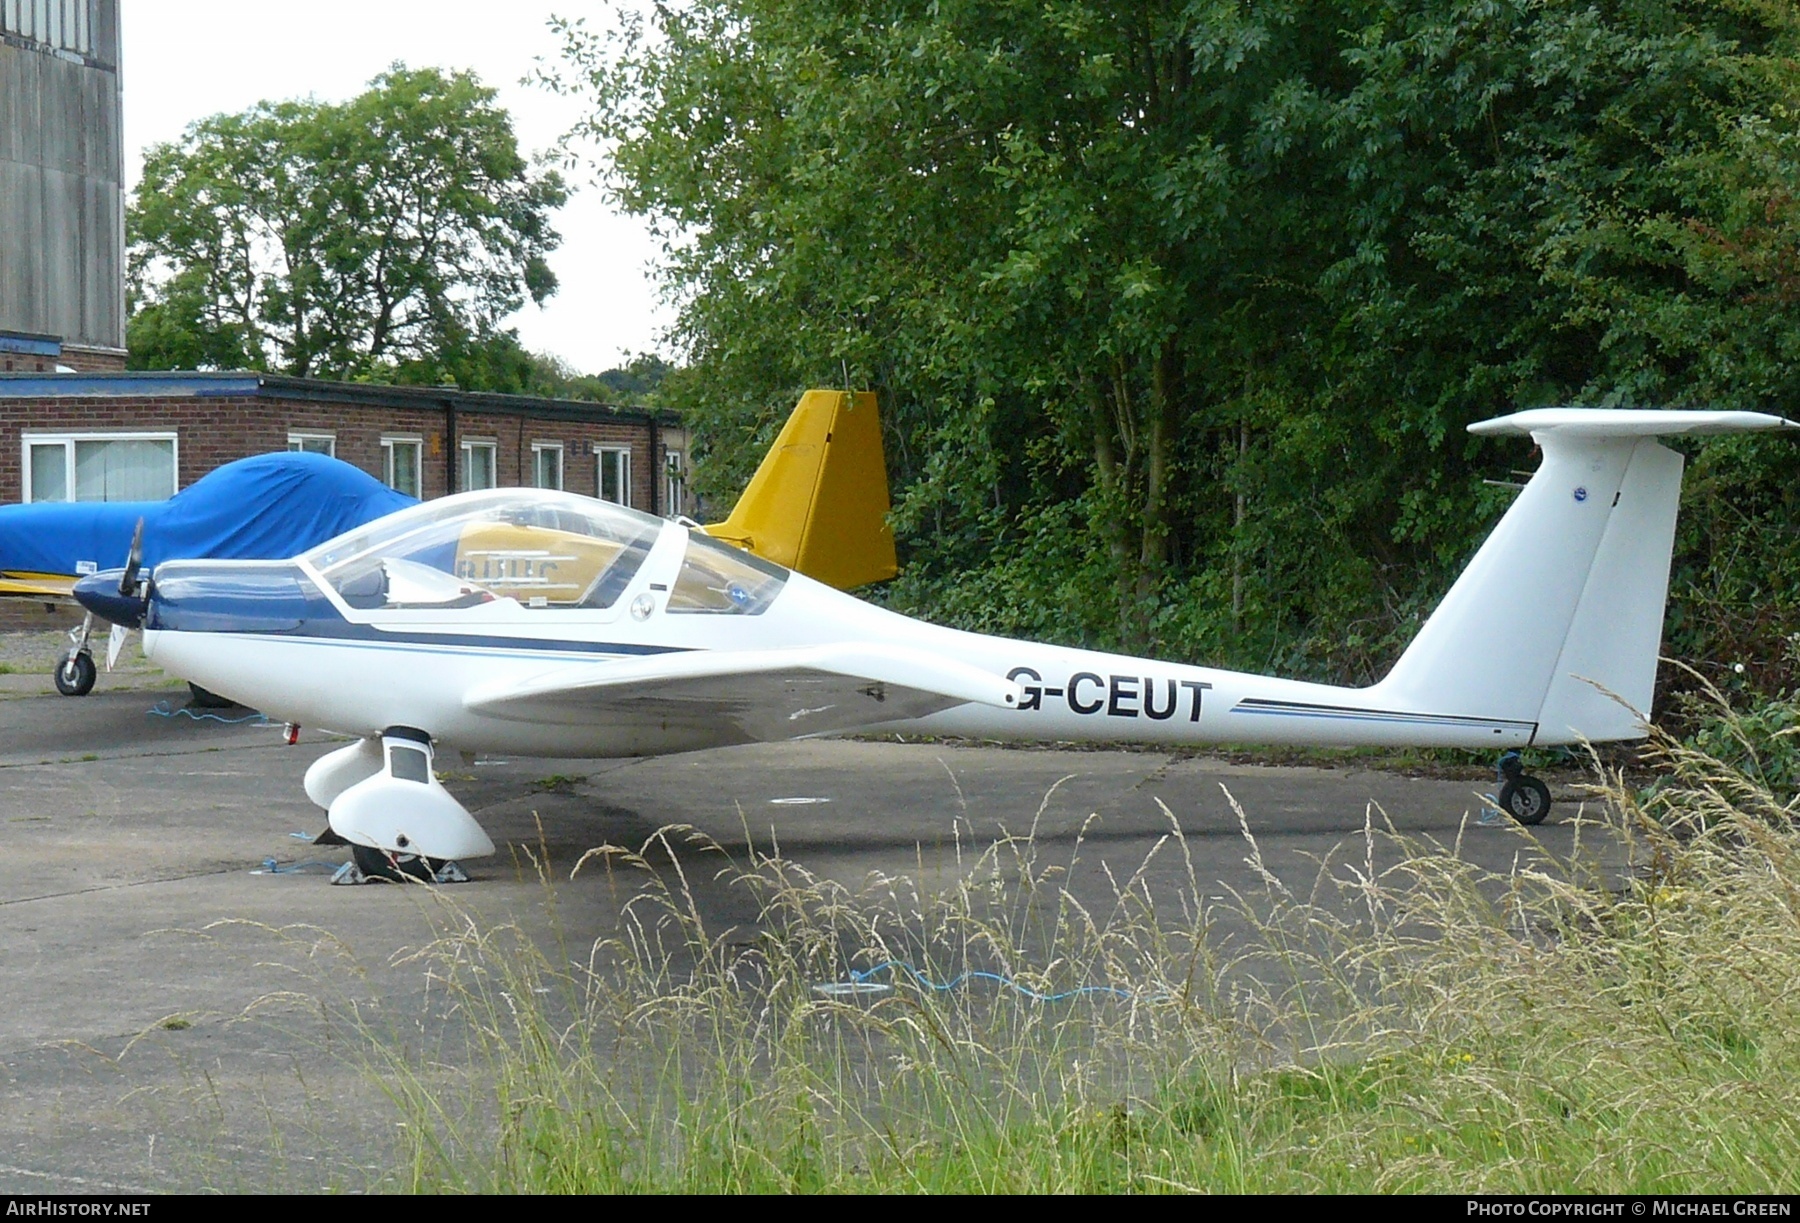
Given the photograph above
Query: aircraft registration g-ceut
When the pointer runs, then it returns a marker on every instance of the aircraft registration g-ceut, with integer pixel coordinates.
(536, 622)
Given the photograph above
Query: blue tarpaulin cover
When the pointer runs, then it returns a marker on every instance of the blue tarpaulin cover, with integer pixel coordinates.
(268, 507)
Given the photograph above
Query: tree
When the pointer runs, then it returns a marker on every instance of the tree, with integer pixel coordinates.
(501, 364)
(1178, 309)
(341, 241)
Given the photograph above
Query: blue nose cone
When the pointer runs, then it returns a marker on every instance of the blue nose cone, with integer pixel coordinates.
(99, 593)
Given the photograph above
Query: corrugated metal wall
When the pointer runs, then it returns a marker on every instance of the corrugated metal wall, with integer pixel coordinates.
(62, 202)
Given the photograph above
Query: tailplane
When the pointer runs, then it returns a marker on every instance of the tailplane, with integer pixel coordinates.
(1558, 619)
(819, 501)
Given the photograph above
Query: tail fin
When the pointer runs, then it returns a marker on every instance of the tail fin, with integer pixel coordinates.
(1566, 596)
(819, 501)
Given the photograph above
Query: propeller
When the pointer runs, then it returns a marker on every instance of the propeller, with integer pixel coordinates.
(134, 560)
(126, 603)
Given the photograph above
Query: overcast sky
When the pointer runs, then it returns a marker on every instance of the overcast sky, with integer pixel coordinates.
(186, 59)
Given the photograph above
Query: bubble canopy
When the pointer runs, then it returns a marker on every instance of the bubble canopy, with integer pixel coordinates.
(538, 548)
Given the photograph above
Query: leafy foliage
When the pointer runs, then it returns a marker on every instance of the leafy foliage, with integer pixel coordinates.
(383, 237)
(1178, 310)
(500, 363)
(1758, 739)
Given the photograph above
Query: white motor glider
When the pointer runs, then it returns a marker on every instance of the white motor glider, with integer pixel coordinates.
(535, 622)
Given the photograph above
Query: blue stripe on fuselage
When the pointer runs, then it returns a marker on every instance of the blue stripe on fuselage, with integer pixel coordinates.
(1299, 709)
(279, 600)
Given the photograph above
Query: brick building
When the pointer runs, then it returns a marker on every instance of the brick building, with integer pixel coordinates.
(143, 436)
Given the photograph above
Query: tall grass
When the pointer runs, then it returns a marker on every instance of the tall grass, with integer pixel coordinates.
(1620, 1021)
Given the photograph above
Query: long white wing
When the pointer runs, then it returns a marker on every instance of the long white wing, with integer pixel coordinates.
(765, 695)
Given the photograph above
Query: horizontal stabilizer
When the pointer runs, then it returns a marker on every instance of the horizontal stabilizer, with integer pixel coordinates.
(1627, 422)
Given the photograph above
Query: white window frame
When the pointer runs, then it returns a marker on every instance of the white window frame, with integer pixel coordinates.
(471, 444)
(601, 453)
(54, 23)
(68, 438)
(541, 448)
(674, 483)
(297, 439)
(388, 443)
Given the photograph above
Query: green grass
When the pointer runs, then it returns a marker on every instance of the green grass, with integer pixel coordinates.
(1416, 1024)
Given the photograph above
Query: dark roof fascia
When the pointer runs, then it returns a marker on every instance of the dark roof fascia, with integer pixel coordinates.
(222, 384)
(439, 396)
(31, 342)
(110, 385)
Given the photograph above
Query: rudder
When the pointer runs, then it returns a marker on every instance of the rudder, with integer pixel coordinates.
(818, 503)
(1603, 682)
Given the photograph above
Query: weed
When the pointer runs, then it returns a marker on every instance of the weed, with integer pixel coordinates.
(1620, 1020)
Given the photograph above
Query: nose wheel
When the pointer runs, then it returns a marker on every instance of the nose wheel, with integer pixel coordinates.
(75, 674)
(1524, 798)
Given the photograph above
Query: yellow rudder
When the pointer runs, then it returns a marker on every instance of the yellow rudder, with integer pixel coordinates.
(819, 501)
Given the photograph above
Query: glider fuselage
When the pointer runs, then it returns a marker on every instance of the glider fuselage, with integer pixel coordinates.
(279, 638)
(535, 622)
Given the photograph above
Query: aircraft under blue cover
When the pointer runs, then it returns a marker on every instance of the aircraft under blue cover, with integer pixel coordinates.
(266, 506)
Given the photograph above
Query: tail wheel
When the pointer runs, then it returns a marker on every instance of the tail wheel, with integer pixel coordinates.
(1526, 799)
(75, 676)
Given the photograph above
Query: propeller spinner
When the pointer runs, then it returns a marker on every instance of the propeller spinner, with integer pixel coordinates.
(117, 595)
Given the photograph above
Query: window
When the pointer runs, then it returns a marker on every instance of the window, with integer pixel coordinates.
(546, 462)
(65, 24)
(718, 579)
(499, 551)
(400, 464)
(615, 474)
(313, 443)
(675, 475)
(99, 466)
(479, 464)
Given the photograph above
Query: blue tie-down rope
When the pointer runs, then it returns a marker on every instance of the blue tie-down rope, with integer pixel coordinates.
(860, 983)
(162, 710)
(272, 867)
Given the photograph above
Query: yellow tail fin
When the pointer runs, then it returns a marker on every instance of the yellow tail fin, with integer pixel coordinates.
(819, 501)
